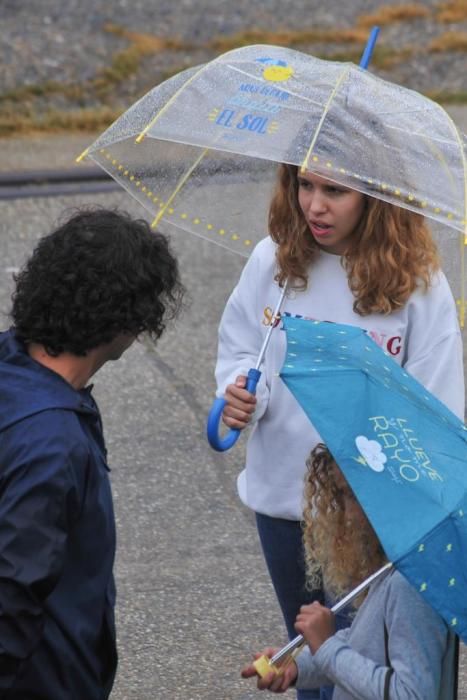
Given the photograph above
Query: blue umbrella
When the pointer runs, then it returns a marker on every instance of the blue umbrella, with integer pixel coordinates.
(403, 452)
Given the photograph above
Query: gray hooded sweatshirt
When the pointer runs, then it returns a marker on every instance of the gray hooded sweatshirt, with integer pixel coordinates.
(364, 663)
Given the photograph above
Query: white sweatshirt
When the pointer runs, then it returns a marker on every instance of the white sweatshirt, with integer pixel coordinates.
(423, 336)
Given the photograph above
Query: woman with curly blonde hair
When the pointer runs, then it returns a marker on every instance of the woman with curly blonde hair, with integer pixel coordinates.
(346, 258)
(389, 253)
(398, 647)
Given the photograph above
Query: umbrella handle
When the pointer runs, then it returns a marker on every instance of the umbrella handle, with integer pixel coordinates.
(218, 443)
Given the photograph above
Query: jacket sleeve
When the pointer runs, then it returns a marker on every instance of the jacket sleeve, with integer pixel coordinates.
(39, 499)
(417, 639)
(434, 351)
(240, 336)
(310, 675)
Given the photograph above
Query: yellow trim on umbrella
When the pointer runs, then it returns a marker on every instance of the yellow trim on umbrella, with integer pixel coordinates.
(164, 206)
(83, 155)
(462, 239)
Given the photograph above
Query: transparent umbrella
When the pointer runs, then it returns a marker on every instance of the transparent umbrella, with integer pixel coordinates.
(200, 151)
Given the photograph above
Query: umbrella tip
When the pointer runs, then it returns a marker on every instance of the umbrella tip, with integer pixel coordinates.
(83, 155)
(368, 52)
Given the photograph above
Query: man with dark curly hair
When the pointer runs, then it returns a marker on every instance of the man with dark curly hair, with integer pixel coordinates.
(90, 288)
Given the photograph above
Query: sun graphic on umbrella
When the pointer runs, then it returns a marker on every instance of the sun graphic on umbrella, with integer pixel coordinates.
(276, 70)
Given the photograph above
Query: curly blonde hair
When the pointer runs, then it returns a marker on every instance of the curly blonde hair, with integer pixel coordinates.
(336, 552)
(390, 255)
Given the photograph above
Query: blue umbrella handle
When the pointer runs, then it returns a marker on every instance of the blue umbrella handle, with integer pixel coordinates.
(221, 444)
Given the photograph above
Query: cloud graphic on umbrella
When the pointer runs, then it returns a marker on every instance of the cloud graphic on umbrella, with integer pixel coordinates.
(372, 453)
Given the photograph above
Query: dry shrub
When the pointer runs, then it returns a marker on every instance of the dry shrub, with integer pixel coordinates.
(452, 11)
(388, 14)
(147, 44)
(288, 38)
(450, 41)
(54, 121)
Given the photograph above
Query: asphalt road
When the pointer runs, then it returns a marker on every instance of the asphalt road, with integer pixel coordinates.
(194, 599)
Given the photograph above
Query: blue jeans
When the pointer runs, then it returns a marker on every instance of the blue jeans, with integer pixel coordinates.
(281, 541)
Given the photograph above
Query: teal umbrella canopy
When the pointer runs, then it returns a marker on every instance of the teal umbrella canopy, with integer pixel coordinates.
(403, 452)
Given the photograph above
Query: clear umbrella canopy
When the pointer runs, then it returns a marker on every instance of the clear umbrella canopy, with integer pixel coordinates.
(200, 151)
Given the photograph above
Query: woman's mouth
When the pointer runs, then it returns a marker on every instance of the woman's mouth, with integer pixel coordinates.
(319, 229)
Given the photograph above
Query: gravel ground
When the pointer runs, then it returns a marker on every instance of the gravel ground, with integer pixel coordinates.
(41, 42)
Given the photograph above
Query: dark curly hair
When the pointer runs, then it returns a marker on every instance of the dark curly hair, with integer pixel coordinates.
(98, 275)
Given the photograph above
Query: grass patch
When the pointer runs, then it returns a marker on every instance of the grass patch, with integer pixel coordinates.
(18, 115)
(24, 109)
(340, 56)
(448, 98)
(387, 58)
(450, 41)
(127, 62)
(147, 43)
(383, 57)
(288, 38)
(27, 93)
(55, 121)
(453, 11)
(388, 14)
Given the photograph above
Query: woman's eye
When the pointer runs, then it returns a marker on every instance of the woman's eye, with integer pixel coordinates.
(342, 190)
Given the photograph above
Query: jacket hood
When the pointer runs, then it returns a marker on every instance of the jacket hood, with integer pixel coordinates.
(27, 387)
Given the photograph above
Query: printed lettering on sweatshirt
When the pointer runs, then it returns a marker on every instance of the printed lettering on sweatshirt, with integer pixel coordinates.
(392, 344)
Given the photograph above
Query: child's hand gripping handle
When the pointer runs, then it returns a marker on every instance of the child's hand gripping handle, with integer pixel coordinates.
(221, 444)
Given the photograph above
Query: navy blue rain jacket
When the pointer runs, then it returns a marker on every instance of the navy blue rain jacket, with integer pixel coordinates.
(57, 537)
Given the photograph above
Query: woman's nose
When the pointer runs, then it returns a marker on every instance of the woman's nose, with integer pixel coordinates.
(317, 202)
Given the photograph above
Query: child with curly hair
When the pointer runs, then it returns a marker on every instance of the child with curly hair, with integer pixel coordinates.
(398, 647)
(348, 258)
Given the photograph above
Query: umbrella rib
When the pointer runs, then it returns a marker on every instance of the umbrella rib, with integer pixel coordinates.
(419, 133)
(327, 107)
(179, 186)
(431, 144)
(143, 133)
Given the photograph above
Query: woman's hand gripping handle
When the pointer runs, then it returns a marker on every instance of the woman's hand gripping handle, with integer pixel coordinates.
(235, 410)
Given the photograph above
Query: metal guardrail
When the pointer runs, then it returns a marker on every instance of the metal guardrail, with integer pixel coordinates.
(54, 183)
(92, 180)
